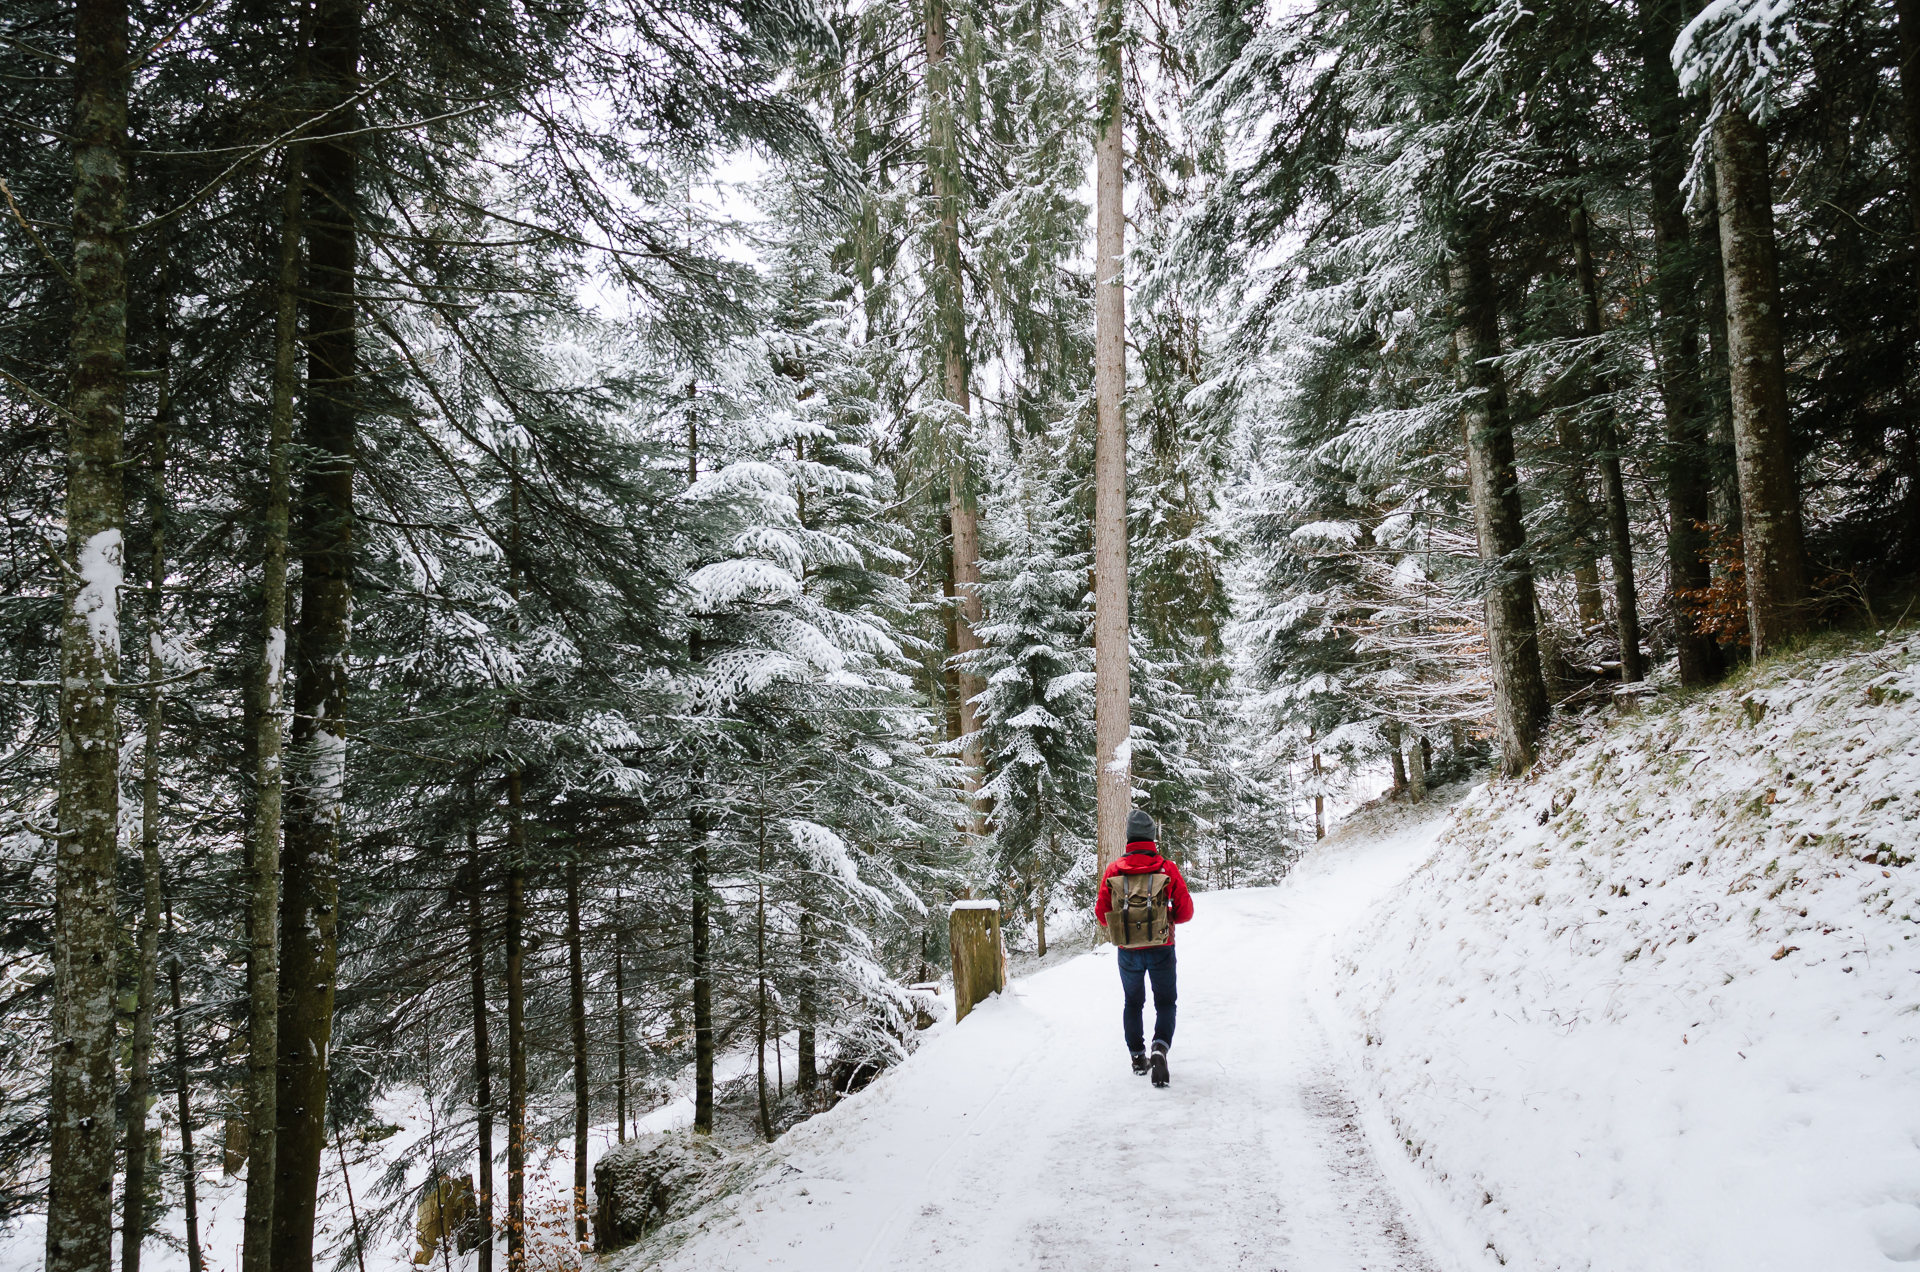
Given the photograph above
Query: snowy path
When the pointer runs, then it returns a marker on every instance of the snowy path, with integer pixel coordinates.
(1020, 1139)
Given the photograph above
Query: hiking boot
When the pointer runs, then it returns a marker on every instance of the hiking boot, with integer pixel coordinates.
(1139, 1064)
(1159, 1066)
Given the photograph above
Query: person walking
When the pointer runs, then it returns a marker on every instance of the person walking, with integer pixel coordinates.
(1142, 896)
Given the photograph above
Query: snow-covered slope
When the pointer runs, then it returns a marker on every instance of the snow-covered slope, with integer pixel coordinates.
(1659, 1008)
(1019, 1138)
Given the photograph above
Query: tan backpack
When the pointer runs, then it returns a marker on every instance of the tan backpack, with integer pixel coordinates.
(1140, 912)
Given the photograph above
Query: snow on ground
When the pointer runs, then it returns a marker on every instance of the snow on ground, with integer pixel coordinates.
(1020, 1138)
(1657, 1008)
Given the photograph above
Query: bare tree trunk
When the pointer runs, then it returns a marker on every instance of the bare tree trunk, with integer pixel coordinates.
(948, 285)
(1909, 11)
(1319, 802)
(1417, 770)
(949, 673)
(1763, 449)
(702, 981)
(80, 1107)
(263, 864)
(139, 1079)
(1520, 693)
(807, 1072)
(1112, 694)
(760, 969)
(577, 1005)
(1586, 573)
(482, 1047)
(1626, 601)
(516, 1024)
(1393, 749)
(1687, 466)
(189, 1166)
(1040, 902)
(619, 1018)
(516, 929)
(310, 865)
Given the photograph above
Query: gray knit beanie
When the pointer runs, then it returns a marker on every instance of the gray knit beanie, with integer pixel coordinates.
(1140, 827)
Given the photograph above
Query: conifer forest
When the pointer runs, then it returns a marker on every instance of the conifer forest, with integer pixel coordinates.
(546, 543)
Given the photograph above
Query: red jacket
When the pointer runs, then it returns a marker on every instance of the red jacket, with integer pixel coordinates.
(1143, 857)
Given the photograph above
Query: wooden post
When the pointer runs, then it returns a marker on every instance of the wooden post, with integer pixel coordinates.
(979, 961)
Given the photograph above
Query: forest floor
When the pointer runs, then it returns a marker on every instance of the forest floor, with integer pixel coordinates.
(1021, 1138)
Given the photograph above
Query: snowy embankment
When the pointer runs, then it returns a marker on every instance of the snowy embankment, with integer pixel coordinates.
(1658, 1007)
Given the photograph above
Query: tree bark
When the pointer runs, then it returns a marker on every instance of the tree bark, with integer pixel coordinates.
(1626, 600)
(310, 865)
(189, 1166)
(948, 285)
(263, 866)
(1112, 695)
(619, 1018)
(1520, 693)
(807, 1073)
(1687, 466)
(516, 1022)
(80, 1108)
(760, 970)
(1319, 802)
(1417, 770)
(1909, 11)
(949, 671)
(516, 921)
(139, 1078)
(1586, 572)
(577, 1012)
(702, 981)
(979, 958)
(482, 1048)
(1393, 749)
(1763, 450)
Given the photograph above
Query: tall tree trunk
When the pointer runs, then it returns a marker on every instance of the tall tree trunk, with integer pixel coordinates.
(577, 1012)
(948, 285)
(80, 1107)
(310, 865)
(1393, 749)
(516, 1024)
(702, 980)
(269, 721)
(1720, 448)
(619, 1017)
(1112, 693)
(516, 927)
(1417, 770)
(760, 971)
(1687, 467)
(1763, 450)
(1626, 600)
(482, 1048)
(189, 1165)
(1909, 11)
(807, 1072)
(139, 1079)
(949, 671)
(1319, 802)
(1586, 571)
(1520, 693)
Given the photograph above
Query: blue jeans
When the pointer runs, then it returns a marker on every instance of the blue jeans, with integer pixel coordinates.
(1135, 967)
